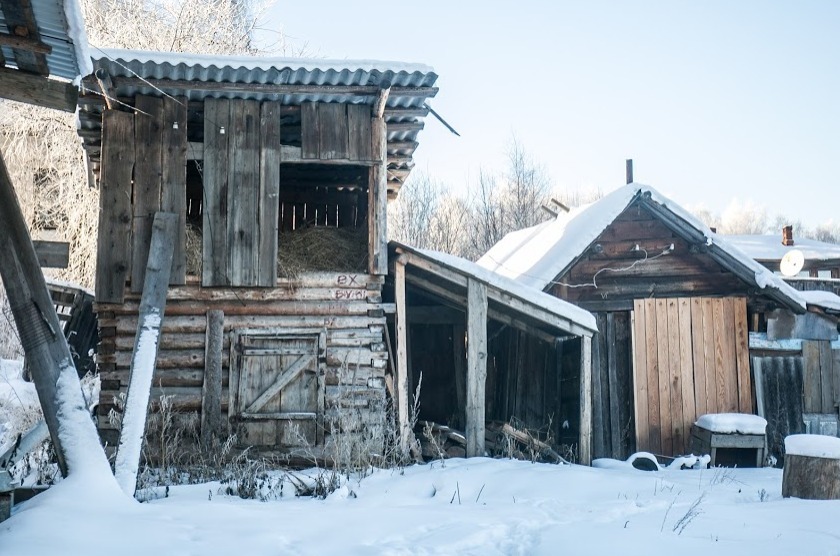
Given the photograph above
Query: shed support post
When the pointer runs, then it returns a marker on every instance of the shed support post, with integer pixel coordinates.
(402, 358)
(146, 341)
(476, 366)
(378, 200)
(211, 391)
(53, 372)
(585, 447)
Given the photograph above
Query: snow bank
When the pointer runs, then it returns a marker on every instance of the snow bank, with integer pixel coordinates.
(732, 423)
(826, 300)
(813, 445)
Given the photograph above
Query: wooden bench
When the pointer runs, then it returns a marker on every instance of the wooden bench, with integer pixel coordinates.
(707, 442)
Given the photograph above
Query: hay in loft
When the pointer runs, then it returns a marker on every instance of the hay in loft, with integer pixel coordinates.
(311, 249)
(321, 249)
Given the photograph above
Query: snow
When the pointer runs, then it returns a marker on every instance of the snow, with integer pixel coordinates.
(813, 445)
(770, 248)
(257, 63)
(76, 33)
(536, 256)
(19, 405)
(134, 418)
(549, 303)
(476, 506)
(732, 423)
(826, 300)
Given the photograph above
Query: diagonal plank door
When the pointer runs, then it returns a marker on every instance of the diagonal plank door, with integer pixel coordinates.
(278, 399)
(690, 357)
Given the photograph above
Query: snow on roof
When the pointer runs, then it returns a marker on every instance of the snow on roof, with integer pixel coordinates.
(536, 256)
(530, 295)
(732, 423)
(185, 61)
(826, 300)
(770, 248)
(813, 445)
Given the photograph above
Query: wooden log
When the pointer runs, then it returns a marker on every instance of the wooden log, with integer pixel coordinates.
(811, 478)
(585, 441)
(476, 366)
(211, 393)
(152, 309)
(73, 434)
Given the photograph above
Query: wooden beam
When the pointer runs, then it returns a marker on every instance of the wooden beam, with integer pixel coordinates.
(381, 99)
(106, 87)
(211, 390)
(25, 43)
(403, 419)
(52, 254)
(378, 201)
(146, 342)
(270, 88)
(38, 90)
(476, 366)
(585, 441)
(74, 436)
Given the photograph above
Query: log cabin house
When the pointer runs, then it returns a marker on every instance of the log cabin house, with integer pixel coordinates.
(674, 303)
(251, 155)
(278, 174)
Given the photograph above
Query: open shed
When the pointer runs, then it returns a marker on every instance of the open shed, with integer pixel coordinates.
(674, 304)
(489, 349)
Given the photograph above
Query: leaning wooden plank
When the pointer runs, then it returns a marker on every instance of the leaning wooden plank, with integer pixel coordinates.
(652, 360)
(403, 419)
(211, 392)
(243, 194)
(663, 376)
(675, 378)
(698, 360)
(145, 350)
(378, 201)
(689, 410)
(56, 381)
(476, 366)
(585, 440)
(269, 192)
(826, 380)
(113, 254)
(742, 356)
(612, 374)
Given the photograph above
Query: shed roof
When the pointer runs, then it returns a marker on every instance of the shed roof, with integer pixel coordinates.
(536, 256)
(510, 296)
(291, 81)
(769, 248)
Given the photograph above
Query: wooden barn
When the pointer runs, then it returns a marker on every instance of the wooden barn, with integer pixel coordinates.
(268, 180)
(674, 303)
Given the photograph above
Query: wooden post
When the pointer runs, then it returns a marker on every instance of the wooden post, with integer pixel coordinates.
(72, 431)
(402, 357)
(585, 447)
(211, 391)
(378, 200)
(476, 366)
(146, 341)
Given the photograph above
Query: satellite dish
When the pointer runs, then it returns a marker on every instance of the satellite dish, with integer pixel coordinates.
(792, 262)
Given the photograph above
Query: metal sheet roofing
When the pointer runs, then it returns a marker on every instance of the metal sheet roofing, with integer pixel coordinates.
(61, 26)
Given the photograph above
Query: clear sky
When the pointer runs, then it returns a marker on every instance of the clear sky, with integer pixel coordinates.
(713, 99)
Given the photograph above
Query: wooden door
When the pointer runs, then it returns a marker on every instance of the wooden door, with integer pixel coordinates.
(276, 388)
(690, 357)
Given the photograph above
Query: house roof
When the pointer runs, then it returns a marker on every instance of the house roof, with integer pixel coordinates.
(51, 41)
(290, 81)
(769, 248)
(536, 256)
(509, 295)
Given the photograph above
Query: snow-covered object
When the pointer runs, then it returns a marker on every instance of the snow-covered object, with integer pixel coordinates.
(826, 300)
(732, 423)
(813, 445)
(259, 63)
(536, 256)
(548, 302)
(127, 462)
(690, 462)
(770, 247)
(76, 33)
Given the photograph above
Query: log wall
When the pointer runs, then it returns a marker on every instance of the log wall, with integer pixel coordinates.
(347, 306)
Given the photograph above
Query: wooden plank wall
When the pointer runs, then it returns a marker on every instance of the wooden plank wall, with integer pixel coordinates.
(341, 304)
(821, 377)
(333, 131)
(690, 357)
(241, 181)
(612, 388)
(779, 386)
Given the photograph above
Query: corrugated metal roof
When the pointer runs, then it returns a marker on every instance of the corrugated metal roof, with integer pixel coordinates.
(59, 24)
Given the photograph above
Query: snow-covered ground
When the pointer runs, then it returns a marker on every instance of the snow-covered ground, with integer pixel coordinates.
(475, 506)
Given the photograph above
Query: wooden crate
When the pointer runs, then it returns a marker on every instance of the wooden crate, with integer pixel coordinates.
(707, 442)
